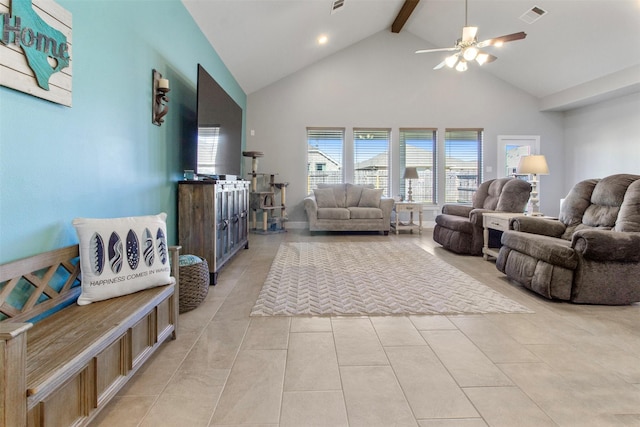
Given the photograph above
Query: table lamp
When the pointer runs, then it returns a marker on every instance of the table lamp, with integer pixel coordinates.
(410, 173)
(534, 165)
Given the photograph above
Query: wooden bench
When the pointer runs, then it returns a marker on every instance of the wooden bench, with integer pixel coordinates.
(63, 369)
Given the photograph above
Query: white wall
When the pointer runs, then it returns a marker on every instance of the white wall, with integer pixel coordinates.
(602, 139)
(380, 82)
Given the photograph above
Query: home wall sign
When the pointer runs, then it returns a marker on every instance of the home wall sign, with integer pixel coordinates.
(35, 49)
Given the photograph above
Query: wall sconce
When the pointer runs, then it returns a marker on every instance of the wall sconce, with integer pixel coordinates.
(159, 107)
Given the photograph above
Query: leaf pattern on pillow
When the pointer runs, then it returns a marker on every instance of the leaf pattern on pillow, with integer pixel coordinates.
(115, 252)
(162, 246)
(96, 253)
(133, 250)
(147, 247)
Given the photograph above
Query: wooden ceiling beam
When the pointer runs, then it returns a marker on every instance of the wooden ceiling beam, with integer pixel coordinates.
(403, 15)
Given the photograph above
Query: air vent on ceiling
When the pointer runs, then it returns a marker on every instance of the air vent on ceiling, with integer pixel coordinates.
(533, 14)
(336, 6)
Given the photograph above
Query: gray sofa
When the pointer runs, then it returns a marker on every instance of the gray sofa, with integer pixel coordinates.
(590, 255)
(348, 207)
(459, 227)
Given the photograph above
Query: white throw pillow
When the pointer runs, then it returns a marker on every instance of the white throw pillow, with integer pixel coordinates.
(120, 256)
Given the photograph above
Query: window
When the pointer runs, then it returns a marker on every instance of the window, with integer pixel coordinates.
(463, 164)
(208, 146)
(371, 157)
(324, 152)
(418, 149)
(511, 148)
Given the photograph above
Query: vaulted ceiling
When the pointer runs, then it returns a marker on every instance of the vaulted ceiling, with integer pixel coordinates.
(577, 43)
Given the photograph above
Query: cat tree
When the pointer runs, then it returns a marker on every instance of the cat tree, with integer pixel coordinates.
(264, 198)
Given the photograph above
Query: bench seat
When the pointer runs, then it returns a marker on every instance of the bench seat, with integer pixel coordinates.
(58, 345)
(62, 370)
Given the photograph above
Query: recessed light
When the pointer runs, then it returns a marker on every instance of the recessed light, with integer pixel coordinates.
(323, 39)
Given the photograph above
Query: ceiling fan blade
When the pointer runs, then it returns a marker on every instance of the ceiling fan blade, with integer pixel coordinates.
(440, 65)
(469, 34)
(442, 49)
(491, 58)
(503, 39)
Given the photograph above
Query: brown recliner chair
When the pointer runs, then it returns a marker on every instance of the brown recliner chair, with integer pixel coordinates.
(459, 227)
(590, 255)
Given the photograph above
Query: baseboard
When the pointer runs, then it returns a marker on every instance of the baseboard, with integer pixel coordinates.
(304, 225)
(297, 225)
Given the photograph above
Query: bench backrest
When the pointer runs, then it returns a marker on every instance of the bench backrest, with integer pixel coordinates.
(34, 287)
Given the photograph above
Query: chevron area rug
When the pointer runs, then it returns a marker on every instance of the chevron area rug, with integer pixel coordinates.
(387, 278)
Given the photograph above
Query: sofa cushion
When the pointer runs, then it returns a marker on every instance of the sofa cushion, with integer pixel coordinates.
(354, 192)
(339, 192)
(365, 213)
(333, 213)
(456, 223)
(629, 216)
(514, 196)
(549, 249)
(370, 198)
(502, 194)
(325, 198)
(492, 195)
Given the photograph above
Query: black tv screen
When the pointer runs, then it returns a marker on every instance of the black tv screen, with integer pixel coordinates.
(219, 123)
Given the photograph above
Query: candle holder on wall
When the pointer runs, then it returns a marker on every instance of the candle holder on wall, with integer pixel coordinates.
(159, 107)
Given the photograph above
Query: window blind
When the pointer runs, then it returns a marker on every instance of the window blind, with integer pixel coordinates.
(418, 149)
(371, 157)
(324, 156)
(208, 145)
(463, 164)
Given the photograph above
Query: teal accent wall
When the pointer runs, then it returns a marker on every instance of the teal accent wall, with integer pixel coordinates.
(103, 157)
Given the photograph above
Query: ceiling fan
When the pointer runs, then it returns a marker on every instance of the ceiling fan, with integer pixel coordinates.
(468, 47)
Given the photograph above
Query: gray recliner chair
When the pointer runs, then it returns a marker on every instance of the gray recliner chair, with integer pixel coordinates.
(459, 227)
(590, 255)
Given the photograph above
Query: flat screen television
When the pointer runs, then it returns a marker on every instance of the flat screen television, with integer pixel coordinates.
(217, 149)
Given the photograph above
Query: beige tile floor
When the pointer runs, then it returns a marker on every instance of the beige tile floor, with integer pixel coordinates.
(565, 365)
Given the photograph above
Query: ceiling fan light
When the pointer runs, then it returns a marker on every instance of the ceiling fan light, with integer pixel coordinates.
(462, 66)
(482, 58)
(451, 61)
(470, 53)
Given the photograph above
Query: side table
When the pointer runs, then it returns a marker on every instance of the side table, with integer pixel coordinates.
(411, 208)
(495, 221)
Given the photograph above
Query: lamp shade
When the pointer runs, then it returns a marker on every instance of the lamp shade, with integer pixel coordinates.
(410, 173)
(533, 164)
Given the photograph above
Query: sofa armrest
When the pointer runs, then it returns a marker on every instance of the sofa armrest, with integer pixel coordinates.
(475, 216)
(311, 207)
(605, 245)
(386, 204)
(542, 226)
(457, 210)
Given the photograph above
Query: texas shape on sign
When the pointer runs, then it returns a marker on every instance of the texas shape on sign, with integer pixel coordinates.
(45, 48)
